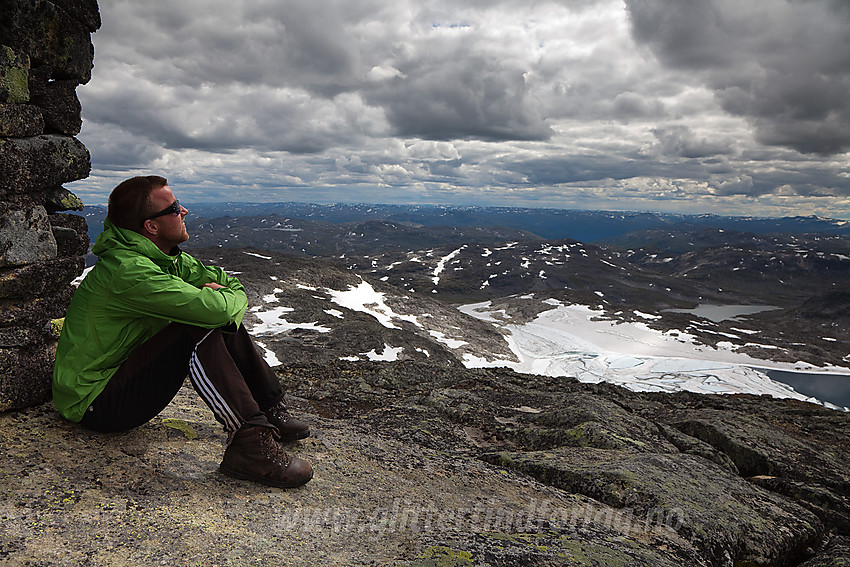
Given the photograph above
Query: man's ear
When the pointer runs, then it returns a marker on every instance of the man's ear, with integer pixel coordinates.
(150, 227)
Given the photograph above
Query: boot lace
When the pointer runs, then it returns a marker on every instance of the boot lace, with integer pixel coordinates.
(271, 448)
(280, 413)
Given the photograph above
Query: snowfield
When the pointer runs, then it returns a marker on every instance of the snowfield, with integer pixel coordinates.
(571, 340)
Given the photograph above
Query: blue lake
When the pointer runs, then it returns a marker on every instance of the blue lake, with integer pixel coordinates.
(718, 313)
(833, 388)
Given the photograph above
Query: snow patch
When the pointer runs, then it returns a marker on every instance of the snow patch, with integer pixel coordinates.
(449, 342)
(389, 354)
(257, 255)
(273, 323)
(272, 297)
(441, 265)
(268, 355)
(646, 315)
(79, 279)
(364, 298)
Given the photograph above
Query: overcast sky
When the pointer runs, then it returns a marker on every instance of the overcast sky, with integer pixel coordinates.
(691, 106)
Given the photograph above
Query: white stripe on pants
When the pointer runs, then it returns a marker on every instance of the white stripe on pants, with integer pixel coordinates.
(207, 390)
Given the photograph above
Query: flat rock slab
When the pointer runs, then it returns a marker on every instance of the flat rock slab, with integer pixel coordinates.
(723, 515)
(69, 496)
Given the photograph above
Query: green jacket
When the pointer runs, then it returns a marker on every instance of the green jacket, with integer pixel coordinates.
(132, 292)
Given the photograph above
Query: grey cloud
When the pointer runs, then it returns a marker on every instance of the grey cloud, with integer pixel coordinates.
(461, 96)
(783, 65)
(803, 179)
(446, 168)
(685, 33)
(629, 105)
(681, 141)
(456, 80)
(726, 175)
(253, 63)
(229, 118)
(556, 170)
(291, 43)
(314, 45)
(115, 148)
(737, 185)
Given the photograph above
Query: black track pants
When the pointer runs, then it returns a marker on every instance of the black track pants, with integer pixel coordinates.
(225, 369)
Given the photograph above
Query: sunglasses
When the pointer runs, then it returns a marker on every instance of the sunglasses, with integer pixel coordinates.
(173, 208)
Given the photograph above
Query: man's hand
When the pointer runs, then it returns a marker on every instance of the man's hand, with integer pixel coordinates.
(213, 285)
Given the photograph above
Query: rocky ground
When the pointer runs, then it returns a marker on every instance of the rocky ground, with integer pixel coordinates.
(421, 464)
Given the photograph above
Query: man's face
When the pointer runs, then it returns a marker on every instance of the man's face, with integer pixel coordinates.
(170, 228)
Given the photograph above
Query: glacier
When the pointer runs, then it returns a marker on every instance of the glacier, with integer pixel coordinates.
(575, 340)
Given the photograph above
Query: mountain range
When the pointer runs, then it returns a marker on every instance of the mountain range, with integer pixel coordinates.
(586, 226)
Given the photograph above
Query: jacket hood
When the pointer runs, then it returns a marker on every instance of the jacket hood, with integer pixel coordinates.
(115, 240)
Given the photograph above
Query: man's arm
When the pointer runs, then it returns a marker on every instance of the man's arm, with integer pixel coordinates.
(144, 289)
(195, 272)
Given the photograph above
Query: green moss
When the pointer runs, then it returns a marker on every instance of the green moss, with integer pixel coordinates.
(442, 556)
(181, 425)
(579, 434)
(54, 327)
(505, 459)
(530, 539)
(628, 440)
(586, 553)
(14, 76)
(71, 202)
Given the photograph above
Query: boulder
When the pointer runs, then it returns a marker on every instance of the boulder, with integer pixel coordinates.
(46, 52)
(727, 518)
(71, 233)
(26, 366)
(26, 237)
(31, 164)
(60, 199)
(50, 35)
(20, 120)
(40, 279)
(57, 100)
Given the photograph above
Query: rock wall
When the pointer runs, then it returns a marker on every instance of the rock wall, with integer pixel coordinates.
(45, 53)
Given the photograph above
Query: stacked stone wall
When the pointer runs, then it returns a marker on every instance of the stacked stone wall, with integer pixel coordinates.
(45, 53)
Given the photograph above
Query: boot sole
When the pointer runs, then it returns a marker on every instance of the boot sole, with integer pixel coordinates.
(262, 480)
(290, 439)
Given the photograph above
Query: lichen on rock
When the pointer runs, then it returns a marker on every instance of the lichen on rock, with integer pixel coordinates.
(14, 75)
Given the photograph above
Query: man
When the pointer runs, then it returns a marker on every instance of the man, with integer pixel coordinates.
(147, 315)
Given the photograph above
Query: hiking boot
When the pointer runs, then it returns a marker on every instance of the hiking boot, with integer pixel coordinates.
(255, 454)
(290, 428)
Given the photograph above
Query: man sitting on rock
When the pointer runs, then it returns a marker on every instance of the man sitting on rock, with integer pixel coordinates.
(147, 315)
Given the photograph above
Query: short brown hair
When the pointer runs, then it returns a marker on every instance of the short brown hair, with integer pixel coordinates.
(130, 202)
